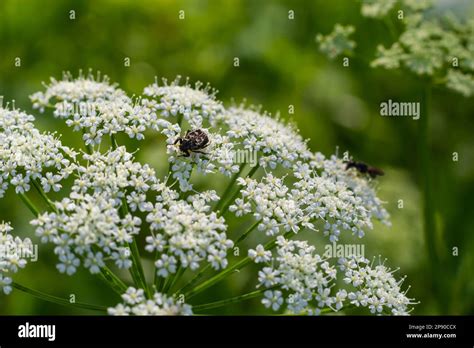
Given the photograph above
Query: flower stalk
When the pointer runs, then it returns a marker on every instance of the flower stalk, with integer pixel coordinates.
(58, 300)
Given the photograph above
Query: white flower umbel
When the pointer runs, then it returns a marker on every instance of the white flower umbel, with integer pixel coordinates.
(274, 141)
(91, 224)
(186, 232)
(90, 228)
(200, 109)
(97, 108)
(361, 185)
(14, 252)
(302, 278)
(28, 155)
(282, 209)
(118, 176)
(82, 88)
(111, 200)
(135, 303)
(193, 104)
(375, 287)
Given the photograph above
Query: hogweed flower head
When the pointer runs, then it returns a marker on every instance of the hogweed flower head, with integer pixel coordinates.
(112, 200)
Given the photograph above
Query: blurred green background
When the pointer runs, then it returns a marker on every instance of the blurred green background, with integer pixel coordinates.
(279, 66)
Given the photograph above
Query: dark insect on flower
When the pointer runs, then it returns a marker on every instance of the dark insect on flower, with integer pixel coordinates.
(193, 141)
(364, 168)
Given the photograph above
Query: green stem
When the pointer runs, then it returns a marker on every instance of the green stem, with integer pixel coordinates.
(29, 204)
(194, 280)
(43, 195)
(57, 300)
(159, 283)
(113, 141)
(234, 196)
(175, 278)
(246, 233)
(229, 187)
(136, 270)
(426, 177)
(112, 280)
(225, 272)
(391, 28)
(180, 119)
(225, 302)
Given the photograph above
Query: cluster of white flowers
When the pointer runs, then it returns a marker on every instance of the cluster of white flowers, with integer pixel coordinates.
(97, 108)
(116, 174)
(298, 278)
(135, 303)
(13, 254)
(199, 108)
(87, 227)
(376, 287)
(429, 46)
(89, 223)
(27, 154)
(113, 197)
(439, 48)
(360, 185)
(193, 104)
(275, 141)
(311, 198)
(186, 232)
(218, 157)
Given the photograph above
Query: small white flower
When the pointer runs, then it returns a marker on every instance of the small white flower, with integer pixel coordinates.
(165, 265)
(133, 296)
(69, 263)
(272, 299)
(259, 254)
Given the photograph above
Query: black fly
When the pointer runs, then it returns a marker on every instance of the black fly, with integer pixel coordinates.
(193, 141)
(364, 168)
